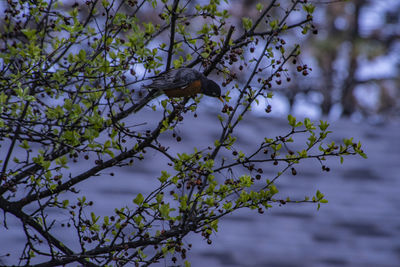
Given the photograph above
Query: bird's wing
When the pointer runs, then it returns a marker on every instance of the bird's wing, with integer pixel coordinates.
(175, 78)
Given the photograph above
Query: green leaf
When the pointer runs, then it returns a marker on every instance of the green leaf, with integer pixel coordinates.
(214, 225)
(25, 145)
(139, 199)
(107, 144)
(308, 124)
(205, 55)
(149, 28)
(109, 152)
(309, 8)
(30, 33)
(177, 63)
(94, 218)
(164, 103)
(323, 125)
(245, 181)
(105, 3)
(217, 143)
(46, 164)
(183, 203)
(273, 190)
(362, 154)
(159, 198)
(165, 125)
(62, 161)
(292, 120)
(65, 203)
(319, 195)
(204, 30)
(164, 210)
(274, 24)
(82, 55)
(164, 176)
(227, 206)
(348, 141)
(247, 23)
(303, 153)
(298, 124)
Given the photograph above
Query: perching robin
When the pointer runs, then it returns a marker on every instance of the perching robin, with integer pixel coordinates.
(181, 82)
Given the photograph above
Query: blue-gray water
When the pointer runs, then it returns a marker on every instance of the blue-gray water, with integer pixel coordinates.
(360, 226)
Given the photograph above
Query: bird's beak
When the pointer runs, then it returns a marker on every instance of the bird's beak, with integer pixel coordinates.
(221, 99)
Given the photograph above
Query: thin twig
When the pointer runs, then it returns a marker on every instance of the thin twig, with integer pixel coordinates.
(174, 16)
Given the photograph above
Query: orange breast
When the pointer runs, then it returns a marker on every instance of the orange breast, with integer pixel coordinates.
(192, 89)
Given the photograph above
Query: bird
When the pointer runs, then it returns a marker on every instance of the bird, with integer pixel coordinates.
(182, 82)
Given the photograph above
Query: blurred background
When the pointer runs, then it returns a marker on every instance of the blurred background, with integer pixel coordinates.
(355, 84)
(355, 60)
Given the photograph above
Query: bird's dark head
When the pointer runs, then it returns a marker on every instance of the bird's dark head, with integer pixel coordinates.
(211, 88)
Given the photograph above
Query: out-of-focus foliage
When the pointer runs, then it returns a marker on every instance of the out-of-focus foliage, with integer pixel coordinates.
(355, 60)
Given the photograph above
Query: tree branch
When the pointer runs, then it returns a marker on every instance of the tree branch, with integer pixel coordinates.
(16, 134)
(16, 210)
(172, 37)
(109, 163)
